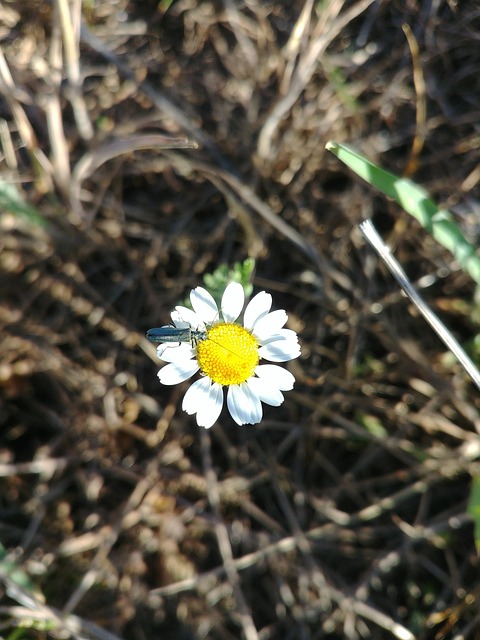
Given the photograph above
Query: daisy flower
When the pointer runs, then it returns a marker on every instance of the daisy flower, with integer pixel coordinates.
(227, 354)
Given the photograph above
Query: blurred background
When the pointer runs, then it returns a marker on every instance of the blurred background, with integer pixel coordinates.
(143, 145)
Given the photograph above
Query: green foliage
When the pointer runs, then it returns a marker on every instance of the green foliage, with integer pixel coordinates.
(216, 282)
(415, 201)
(164, 5)
(337, 80)
(13, 574)
(441, 225)
(475, 348)
(373, 425)
(473, 508)
(20, 587)
(12, 202)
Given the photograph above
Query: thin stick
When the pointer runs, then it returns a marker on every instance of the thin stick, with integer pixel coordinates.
(70, 14)
(370, 234)
(223, 540)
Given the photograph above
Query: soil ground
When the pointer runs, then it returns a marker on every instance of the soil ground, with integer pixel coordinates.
(343, 513)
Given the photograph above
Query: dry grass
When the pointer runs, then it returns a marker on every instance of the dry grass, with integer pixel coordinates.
(342, 515)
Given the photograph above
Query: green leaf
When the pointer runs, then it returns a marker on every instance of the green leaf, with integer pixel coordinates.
(13, 575)
(473, 508)
(12, 202)
(373, 425)
(241, 272)
(416, 201)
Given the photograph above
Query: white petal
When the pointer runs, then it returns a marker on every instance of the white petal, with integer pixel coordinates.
(204, 305)
(177, 318)
(233, 300)
(282, 334)
(258, 307)
(269, 324)
(162, 348)
(276, 376)
(234, 403)
(206, 400)
(280, 351)
(267, 393)
(244, 405)
(184, 317)
(208, 413)
(255, 405)
(195, 395)
(175, 352)
(176, 372)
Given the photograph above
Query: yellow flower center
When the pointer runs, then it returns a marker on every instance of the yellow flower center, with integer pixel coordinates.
(229, 355)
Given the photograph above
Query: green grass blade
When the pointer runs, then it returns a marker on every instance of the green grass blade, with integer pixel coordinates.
(473, 508)
(415, 201)
(12, 202)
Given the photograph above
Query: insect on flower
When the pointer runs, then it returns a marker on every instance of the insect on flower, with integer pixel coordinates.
(176, 334)
(227, 354)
